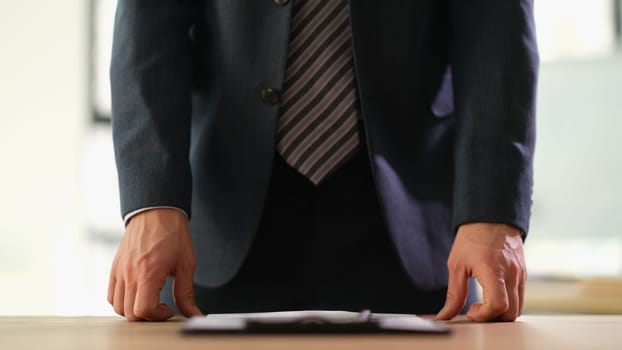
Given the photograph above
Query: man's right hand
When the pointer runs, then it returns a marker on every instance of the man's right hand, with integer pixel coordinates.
(156, 245)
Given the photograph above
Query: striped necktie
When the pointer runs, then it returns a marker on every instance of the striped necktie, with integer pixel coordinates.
(318, 128)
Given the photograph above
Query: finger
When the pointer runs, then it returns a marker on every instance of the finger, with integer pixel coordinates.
(495, 299)
(183, 292)
(119, 292)
(147, 305)
(513, 298)
(457, 289)
(128, 305)
(112, 281)
(521, 292)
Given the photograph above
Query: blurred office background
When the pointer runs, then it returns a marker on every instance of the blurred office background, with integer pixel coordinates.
(59, 213)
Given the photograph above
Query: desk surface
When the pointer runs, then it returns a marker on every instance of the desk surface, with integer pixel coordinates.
(529, 332)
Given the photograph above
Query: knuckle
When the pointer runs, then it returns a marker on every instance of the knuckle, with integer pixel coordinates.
(132, 318)
(451, 295)
(142, 311)
(110, 296)
(499, 306)
(514, 267)
(118, 309)
(452, 264)
(189, 263)
(146, 262)
(509, 318)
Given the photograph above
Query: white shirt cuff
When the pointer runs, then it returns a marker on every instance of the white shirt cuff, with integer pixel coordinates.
(131, 214)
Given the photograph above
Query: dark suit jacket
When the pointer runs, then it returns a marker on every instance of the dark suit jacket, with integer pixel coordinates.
(447, 93)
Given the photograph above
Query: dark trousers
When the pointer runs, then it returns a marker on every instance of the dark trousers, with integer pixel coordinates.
(321, 247)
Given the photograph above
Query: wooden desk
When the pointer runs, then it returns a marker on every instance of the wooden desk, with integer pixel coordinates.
(529, 332)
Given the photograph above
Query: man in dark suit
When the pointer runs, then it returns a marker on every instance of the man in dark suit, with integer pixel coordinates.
(323, 154)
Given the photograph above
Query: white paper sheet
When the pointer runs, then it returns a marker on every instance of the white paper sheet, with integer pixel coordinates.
(238, 322)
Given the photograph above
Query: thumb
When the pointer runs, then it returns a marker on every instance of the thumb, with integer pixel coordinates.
(183, 292)
(457, 289)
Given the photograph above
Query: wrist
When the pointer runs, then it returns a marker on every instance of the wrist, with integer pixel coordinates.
(489, 234)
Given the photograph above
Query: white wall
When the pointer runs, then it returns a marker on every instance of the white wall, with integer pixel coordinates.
(43, 114)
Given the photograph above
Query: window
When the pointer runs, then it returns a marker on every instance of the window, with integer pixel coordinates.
(575, 230)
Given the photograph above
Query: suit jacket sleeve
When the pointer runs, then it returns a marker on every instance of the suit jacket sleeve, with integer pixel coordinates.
(151, 102)
(495, 62)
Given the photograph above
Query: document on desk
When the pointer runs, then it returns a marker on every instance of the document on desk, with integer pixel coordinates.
(312, 321)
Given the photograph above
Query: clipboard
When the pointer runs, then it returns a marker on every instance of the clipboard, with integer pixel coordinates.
(310, 322)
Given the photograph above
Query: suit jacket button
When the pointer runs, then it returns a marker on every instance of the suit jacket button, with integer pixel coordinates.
(270, 96)
(281, 2)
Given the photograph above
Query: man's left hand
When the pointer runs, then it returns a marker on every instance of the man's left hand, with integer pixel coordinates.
(493, 255)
